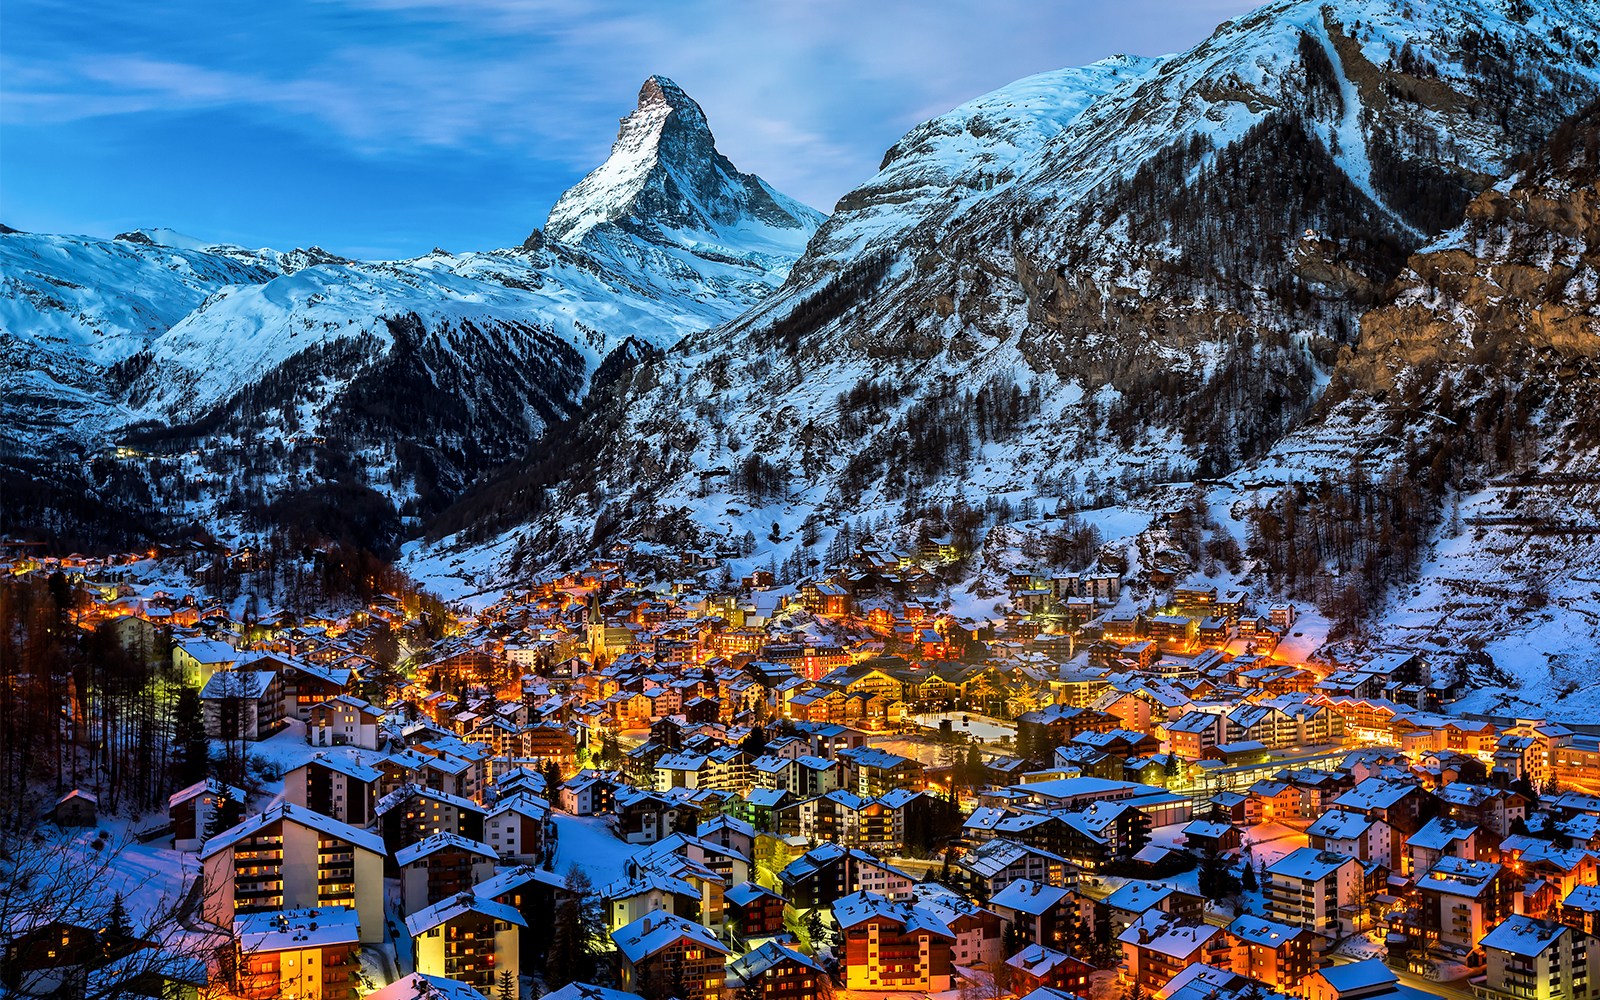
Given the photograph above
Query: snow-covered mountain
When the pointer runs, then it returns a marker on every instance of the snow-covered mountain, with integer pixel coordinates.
(1085, 284)
(419, 374)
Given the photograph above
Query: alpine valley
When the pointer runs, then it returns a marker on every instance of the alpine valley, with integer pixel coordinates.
(1307, 311)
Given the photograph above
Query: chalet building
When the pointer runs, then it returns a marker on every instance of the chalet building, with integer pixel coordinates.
(1135, 898)
(871, 772)
(1354, 834)
(1317, 890)
(774, 970)
(1279, 955)
(1038, 914)
(667, 949)
(1528, 958)
(650, 890)
(830, 872)
(644, 817)
(1158, 946)
(516, 828)
(197, 659)
(988, 869)
(312, 954)
(588, 793)
(535, 893)
(754, 911)
(302, 684)
(242, 705)
(76, 808)
(335, 786)
(290, 857)
(893, 946)
(1495, 810)
(1460, 900)
(412, 814)
(1403, 807)
(1036, 966)
(205, 807)
(467, 938)
(343, 720)
(439, 867)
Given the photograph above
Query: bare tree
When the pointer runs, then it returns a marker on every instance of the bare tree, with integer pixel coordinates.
(64, 888)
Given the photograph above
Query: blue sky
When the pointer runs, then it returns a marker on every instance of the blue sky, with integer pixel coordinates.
(384, 128)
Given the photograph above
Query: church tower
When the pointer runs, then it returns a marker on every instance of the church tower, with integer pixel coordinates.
(596, 623)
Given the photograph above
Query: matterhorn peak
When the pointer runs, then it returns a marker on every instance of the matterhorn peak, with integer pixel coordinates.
(665, 182)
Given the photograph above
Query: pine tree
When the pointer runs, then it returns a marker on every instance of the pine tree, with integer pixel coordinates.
(508, 986)
(118, 928)
(189, 736)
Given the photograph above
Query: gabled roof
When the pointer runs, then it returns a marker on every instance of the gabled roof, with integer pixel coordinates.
(746, 892)
(1309, 863)
(1339, 824)
(238, 684)
(283, 930)
(859, 907)
(208, 785)
(1259, 930)
(512, 878)
(438, 842)
(653, 932)
(346, 766)
(1138, 896)
(1358, 975)
(445, 910)
(420, 986)
(293, 814)
(1028, 896)
(399, 795)
(1174, 937)
(769, 956)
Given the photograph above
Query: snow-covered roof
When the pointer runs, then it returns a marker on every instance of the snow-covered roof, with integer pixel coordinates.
(293, 814)
(1171, 936)
(1309, 863)
(769, 956)
(1028, 896)
(856, 908)
(1357, 975)
(238, 684)
(652, 932)
(1137, 896)
(420, 986)
(438, 842)
(448, 909)
(287, 930)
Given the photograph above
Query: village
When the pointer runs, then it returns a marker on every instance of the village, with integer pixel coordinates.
(647, 779)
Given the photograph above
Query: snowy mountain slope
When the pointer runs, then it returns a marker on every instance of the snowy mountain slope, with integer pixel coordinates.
(1139, 303)
(942, 166)
(1480, 381)
(72, 308)
(419, 374)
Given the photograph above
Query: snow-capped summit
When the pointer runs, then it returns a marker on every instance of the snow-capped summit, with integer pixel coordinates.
(665, 182)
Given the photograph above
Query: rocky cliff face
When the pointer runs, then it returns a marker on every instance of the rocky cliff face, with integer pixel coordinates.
(1478, 378)
(665, 180)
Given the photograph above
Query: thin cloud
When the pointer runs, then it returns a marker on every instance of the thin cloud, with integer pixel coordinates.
(807, 94)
